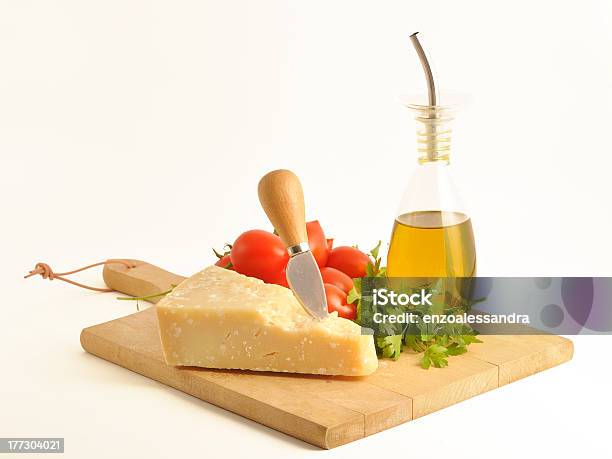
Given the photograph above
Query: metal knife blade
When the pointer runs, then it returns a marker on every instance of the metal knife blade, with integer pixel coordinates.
(305, 280)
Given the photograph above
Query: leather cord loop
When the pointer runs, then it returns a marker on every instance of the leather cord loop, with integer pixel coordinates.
(47, 273)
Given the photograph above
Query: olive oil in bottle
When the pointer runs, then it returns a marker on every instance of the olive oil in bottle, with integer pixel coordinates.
(432, 243)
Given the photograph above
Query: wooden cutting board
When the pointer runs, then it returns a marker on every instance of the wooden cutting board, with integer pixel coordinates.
(325, 411)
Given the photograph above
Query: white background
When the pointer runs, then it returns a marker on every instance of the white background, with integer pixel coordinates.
(140, 129)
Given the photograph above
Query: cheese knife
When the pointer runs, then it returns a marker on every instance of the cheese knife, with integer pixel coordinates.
(282, 198)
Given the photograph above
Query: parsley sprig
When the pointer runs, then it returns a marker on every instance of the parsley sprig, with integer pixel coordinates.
(436, 342)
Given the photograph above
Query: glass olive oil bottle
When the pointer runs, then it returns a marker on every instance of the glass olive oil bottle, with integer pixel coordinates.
(432, 235)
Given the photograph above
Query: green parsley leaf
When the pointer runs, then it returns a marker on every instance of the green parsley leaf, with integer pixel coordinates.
(389, 346)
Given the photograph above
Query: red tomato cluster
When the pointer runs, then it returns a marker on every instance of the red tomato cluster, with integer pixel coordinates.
(261, 254)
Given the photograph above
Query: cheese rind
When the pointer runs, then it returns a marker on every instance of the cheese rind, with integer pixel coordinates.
(221, 319)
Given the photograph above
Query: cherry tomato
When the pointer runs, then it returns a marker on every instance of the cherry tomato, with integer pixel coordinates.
(281, 279)
(337, 278)
(349, 260)
(317, 242)
(336, 301)
(259, 254)
(224, 262)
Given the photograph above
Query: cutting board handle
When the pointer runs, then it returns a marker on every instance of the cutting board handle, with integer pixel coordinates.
(282, 198)
(142, 279)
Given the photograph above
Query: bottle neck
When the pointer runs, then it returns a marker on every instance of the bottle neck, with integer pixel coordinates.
(433, 133)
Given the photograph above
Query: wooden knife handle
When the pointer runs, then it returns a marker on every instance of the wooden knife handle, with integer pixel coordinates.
(282, 198)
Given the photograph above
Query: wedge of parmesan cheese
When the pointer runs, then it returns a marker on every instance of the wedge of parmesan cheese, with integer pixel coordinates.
(221, 319)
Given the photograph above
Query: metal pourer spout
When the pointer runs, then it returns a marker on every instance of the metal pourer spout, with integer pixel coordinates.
(431, 84)
(434, 137)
